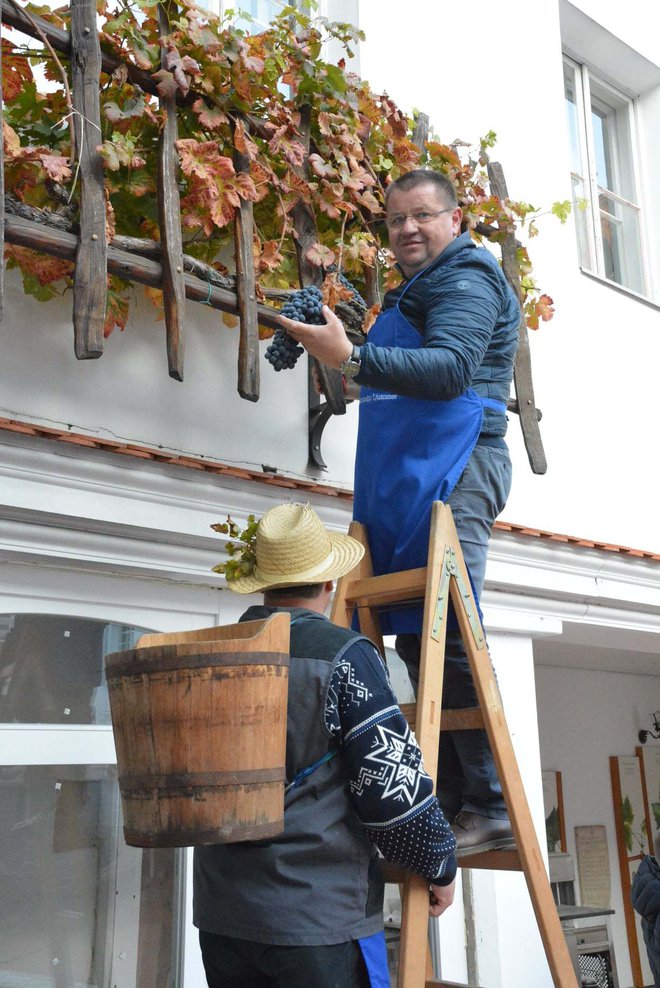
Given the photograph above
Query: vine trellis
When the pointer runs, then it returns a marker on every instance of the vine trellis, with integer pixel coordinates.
(163, 264)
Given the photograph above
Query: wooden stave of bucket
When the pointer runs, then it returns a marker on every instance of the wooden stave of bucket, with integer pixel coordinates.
(200, 733)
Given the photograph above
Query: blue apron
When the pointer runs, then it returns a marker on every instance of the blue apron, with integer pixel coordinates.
(410, 452)
(374, 952)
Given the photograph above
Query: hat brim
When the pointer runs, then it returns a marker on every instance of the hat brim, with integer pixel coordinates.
(346, 553)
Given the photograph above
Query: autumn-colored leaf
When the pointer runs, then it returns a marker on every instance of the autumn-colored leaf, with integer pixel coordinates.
(110, 220)
(56, 167)
(370, 317)
(320, 167)
(230, 321)
(155, 296)
(210, 117)
(292, 150)
(320, 256)
(44, 269)
(267, 256)
(16, 71)
(116, 312)
(166, 84)
(242, 141)
(546, 308)
(334, 291)
(11, 141)
(215, 189)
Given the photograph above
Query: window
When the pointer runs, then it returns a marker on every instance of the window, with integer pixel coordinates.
(260, 12)
(606, 204)
(78, 907)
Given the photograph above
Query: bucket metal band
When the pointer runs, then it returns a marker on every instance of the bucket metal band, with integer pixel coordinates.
(139, 661)
(130, 785)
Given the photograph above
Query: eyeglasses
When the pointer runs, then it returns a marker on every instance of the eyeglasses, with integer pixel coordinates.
(419, 219)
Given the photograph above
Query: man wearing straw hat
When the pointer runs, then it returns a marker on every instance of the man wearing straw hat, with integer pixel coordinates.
(304, 910)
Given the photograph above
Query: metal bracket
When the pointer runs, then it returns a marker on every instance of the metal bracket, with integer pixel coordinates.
(449, 569)
(318, 418)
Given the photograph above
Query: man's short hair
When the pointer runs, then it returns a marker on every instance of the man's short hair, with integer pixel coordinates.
(306, 590)
(425, 176)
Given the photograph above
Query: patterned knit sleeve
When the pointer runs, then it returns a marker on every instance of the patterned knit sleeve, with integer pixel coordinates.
(391, 792)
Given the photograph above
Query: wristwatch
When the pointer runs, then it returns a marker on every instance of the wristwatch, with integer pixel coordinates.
(351, 366)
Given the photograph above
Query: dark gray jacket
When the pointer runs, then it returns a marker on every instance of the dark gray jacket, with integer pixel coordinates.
(319, 882)
(468, 316)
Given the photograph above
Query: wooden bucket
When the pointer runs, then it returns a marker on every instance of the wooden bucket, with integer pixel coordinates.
(200, 730)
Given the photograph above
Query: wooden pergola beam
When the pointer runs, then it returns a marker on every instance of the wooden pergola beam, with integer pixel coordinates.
(133, 267)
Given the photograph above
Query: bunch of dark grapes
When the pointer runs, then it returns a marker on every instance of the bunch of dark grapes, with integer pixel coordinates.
(356, 297)
(303, 306)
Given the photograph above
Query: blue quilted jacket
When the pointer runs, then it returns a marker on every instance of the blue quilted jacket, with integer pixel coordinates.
(468, 316)
(646, 900)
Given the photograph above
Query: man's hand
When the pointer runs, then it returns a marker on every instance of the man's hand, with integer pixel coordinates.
(328, 343)
(441, 898)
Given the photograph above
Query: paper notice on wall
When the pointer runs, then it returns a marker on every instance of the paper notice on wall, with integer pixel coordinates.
(593, 866)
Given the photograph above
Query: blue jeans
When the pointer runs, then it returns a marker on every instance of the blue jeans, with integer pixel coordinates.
(467, 777)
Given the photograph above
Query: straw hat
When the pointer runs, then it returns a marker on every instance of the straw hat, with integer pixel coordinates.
(293, 548)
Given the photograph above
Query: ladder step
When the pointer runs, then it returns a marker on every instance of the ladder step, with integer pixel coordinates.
(486, 861)
(466, 719)
(392, 588)
(445, 984)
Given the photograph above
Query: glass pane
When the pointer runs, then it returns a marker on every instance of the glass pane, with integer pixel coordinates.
(79, 908)
(570, 94)
(51, 668)
(261, 11)
(604, 132)
(583, 218)
(621, 242)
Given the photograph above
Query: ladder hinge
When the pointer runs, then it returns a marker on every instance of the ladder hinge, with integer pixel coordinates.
(450, 569)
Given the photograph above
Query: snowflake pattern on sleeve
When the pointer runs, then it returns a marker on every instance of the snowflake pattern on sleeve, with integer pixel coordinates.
(390, 789)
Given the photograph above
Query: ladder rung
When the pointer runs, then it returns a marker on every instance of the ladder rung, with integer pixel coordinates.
(466, 719)
(392, 588)
(445, 984)
(491, 861)
(488, 860)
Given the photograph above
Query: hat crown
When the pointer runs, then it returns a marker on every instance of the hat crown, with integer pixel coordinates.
(291, 540)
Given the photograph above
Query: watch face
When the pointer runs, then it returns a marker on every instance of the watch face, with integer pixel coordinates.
(351, 366)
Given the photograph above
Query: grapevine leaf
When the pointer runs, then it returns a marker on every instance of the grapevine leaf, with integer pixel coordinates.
(210, 117)
(16, 72)
(561, 210)
(242, 141)
(320, 256)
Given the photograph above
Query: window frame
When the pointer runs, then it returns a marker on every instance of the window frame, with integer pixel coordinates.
(590, 88)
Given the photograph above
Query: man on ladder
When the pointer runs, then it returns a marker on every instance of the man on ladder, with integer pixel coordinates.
(435, 375)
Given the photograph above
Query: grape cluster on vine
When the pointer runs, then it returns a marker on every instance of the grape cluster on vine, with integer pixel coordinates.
(303, 306)
(355, 295)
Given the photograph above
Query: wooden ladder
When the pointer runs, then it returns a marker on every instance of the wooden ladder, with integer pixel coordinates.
(445, 576)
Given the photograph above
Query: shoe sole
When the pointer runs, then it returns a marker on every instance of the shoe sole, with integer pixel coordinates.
(498, 844)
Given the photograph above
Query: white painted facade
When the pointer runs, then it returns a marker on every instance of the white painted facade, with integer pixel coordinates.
(574, 632)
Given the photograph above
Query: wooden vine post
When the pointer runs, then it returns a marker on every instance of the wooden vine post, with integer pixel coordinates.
(169, 214)
(90, 279)
(522, 374)
(246, 289)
